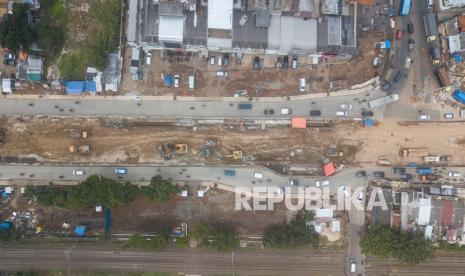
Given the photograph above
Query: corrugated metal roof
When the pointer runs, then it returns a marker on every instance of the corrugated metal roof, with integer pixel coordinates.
(424, 212)
(288, 33)
(220, 13)
(334, 30)
(447, 212)
(454, 43)
(171, 29)
(132, 21)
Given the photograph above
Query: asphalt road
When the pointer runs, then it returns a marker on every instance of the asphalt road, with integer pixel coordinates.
(116, 107)
(79, 257)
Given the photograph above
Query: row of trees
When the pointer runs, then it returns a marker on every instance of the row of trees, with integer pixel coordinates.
(98, 190)
(409, 247)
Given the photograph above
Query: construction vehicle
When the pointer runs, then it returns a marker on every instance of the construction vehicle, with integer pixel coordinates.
(169, 150)
(79, 148)
(77, 134)
(236, 155)
(413, 152)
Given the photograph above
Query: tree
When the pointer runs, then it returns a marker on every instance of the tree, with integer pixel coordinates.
(291, 235)
(220, 237)
(15, 31)
(378, 241)
(409, 247)
(160, 189)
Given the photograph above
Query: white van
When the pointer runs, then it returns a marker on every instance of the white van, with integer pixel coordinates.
(220, 60)
(191, 81)
(222, 74)
(341, 114)
(352, 266)
(78, 172)
(257, 175)
(212, 60)
(286, 111)
(424, 117)
(302, 86)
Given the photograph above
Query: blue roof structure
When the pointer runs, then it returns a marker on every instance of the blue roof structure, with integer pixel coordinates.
(387, 44)
(168, 80)
(80, 230)
(458, 58)
(75, 87)
(459, 95)
(91, 86)
(367, 122)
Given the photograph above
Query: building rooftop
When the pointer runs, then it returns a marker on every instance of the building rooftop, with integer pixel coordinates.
(288, 33)
(246, 34)
(263, 18)
(133, 21)
(331, 7)
(220, 13)
(171, 8)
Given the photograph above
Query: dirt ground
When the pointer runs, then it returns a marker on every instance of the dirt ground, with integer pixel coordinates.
(268, 81)
(145, 216)
(47, 140)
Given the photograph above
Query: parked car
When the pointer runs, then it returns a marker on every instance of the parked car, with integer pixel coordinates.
(386, 87)
(378, 174)
(257, 175)
(341, 114)
(424, 117)
(176, 80)
(360, 197)
(293, 182)
(286, 62)
(397, 76)
(226, 59)
(268, 111)
(149, 58)
(454, 174)
(406, 176)
(294, 63)
(361, 174)
(410, 27)
(398, 170)
(315, 113)
(399, 35)
(411, 44)
(302, 85)
(220, 60)
(121, 171)
(256, 63)
(321, 183)
(212, 60)
(449, 116)
(345, 106)
(367, 113)
(78, 172)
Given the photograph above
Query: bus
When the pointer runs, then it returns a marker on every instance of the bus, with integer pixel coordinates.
(405, 7)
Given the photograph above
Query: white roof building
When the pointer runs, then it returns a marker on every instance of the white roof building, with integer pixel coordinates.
(220, 14)
(424, 212)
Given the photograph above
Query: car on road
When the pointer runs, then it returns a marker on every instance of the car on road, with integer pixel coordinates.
(406, 176)
(408, 62)
(361, 174)
(386, 87)
(397, 76)
(424, 117)
(268, 111)
(121, 171)
(454, 174)
(315, 113)
(229, 173)
(398, 170)
(321, 183)
(449, 116)
(345, 106)
(411, 44)
(341, 114)
(399, 35)
(257, 175)
(410, 28)
(378, 174)
(286, 111)
(360, 197)
(244, 106)
(293, 182)
(78, 172)
(367, 113)
(256, 63)
(176, 80)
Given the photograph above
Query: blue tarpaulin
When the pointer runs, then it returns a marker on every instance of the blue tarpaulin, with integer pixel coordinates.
(458, 58)
(75, 87)
(168, 80)
(387, 44)
(6, 225)
(91, 86)
(80, 230)
(367, 122)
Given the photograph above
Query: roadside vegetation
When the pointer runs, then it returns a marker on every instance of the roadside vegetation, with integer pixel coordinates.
(220, 237)
(98, 190)
(409, 247)
(15, 31)
(294, 234)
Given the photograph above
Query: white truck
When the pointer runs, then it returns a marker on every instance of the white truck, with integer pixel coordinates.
(407, 63)
(383, 100)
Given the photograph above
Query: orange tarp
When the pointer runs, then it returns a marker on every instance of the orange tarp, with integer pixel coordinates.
(329, 169)
(299, 122)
